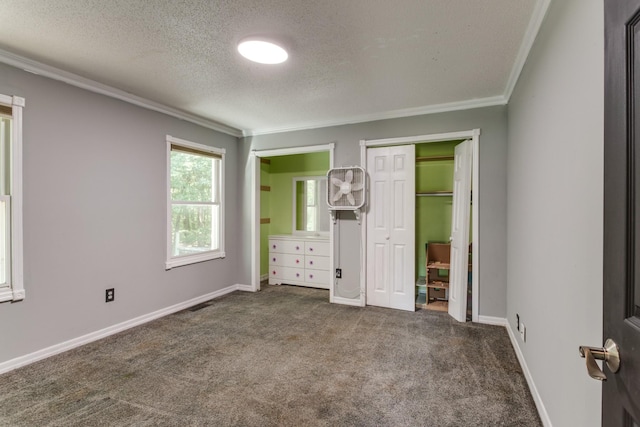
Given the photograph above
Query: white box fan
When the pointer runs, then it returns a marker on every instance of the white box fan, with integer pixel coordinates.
(346, 190)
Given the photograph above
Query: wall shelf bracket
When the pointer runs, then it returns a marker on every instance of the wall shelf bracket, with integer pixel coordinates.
(356, 212)
(334, 214)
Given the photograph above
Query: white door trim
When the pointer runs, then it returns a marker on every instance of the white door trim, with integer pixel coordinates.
(255, 202)
(474, 135)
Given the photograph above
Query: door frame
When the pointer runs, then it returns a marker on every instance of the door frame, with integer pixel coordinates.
(254, 165)
(474, 135)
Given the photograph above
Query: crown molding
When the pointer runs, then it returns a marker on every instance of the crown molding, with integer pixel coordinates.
(406, 112)
(539, 13)
(54, 73)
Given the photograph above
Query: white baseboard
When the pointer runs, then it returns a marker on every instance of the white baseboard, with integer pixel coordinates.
(490, 320)
(542, 411)
(245, 288)
(102, 333)
(264, 277)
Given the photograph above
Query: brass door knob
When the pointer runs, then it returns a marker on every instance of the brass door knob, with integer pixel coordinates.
(609, 353)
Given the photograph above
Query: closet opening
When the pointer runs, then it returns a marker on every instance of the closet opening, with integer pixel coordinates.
(421, 226)
(434, 212)
(292, 232)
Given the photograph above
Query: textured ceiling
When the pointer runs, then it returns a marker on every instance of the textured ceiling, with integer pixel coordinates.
(348, 59)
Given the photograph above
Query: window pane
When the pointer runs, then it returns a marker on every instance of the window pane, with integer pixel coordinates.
(215, 180)
(194, 229)
(5, 155)
(3, 242)
(5, 188)
(192, 177)
(300, 205)
(311, 193)
(311, 218)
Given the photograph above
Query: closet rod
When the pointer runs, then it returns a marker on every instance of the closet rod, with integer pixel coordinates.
(435, 193)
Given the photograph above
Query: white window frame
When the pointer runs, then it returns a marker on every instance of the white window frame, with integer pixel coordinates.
(172, 261)
(13, 290)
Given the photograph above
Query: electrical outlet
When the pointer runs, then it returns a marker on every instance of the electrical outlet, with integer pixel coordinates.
(338, 273)
(110, 295)
(523, 332)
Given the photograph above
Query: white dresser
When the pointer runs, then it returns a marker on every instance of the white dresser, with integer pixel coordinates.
(299, 260)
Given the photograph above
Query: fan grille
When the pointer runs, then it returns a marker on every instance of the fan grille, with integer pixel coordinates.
(357, 181)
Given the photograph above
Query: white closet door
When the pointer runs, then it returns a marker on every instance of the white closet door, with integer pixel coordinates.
(391, 227)
(460, 231)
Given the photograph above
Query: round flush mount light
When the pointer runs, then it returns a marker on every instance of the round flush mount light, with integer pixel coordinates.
(262, 51)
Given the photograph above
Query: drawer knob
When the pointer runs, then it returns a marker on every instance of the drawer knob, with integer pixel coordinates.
(310, 262)
(311, 276)
(297, 248)
(274, 259)
(310, 249)
(297, 261)
(297, 274)
(274, 272)
(274, 246)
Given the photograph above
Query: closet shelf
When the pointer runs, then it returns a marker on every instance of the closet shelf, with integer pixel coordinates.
(438, 285)
(439, 265)
(434, 193)
(433, 158)
(436, 305)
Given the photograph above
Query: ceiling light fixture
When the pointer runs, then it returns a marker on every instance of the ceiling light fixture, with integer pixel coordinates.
(262, 51)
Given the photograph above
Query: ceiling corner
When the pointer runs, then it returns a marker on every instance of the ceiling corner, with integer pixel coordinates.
(539, 13)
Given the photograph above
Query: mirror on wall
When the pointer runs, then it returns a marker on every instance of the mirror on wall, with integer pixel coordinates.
(311, 214)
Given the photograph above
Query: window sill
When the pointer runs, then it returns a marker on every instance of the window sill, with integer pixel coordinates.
(192, 259)
(7, 294)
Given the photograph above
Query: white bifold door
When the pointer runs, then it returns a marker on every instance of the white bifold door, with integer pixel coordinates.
(390, 275)
(458, 275)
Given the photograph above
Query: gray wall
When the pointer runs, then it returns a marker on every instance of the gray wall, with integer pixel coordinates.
(94, 215)
(555, 190)
(491, 121)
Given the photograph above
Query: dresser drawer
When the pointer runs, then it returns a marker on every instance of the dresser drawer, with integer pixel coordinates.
(296, 274)
(286, 273)
(317, 276)
(316, 262)
(316, 248)
(286, 246)
(286, 260)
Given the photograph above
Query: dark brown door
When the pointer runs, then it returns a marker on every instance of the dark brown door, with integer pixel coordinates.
(621, 308)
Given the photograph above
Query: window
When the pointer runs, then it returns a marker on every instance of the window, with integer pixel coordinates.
(195, 217)
(310, 210)
(11, 277)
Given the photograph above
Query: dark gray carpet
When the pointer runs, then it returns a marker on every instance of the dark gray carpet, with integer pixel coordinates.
(283, 356)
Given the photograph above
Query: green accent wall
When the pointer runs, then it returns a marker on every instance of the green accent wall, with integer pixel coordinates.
(433, 213)
(277, 204)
